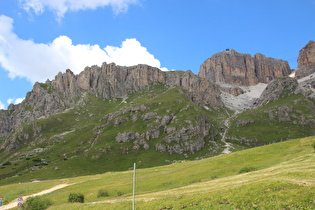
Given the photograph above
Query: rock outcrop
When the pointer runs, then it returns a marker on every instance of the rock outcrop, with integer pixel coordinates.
(275, 89)
(112, 81)
(108, 81)
(306, 61)
(239, 69)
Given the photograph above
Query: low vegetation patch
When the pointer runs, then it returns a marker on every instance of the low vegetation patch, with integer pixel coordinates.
(120, 193)
(102, 193)
(37, 203)
(76, 198)
(246, 169)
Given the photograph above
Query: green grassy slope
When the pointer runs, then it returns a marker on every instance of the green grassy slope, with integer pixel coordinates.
(81, 142)
(279, 176)
(289, 117)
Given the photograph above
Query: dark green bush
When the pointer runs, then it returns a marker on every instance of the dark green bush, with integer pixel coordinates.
(246, 169)
(76, 198)
(102, 193)
(120, 193)
(313, 145)
(6, 163)
(37, 203)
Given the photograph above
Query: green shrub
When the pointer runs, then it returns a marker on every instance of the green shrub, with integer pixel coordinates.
(214, 177)
(102, 193)
(6, 163)
(37, 203)
(76, 198)
(313, 145)
(120, 193)
(5, 201)
(246, 169)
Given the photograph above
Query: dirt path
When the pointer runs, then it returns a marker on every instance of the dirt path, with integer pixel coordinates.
(14, 203)
(227, 123)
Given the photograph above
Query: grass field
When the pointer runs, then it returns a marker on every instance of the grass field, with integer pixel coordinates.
(278, 176)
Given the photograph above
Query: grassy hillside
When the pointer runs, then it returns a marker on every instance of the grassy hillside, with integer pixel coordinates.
(278, 176)
(289, 117)
(81, 141)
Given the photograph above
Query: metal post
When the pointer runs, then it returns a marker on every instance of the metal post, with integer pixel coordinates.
(134, 186)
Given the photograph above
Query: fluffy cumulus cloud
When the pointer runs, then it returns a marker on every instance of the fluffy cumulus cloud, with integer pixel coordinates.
(38, 61)
(63, 6)
(18, 100)
(14, 101)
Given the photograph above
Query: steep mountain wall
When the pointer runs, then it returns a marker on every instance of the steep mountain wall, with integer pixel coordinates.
(107, 81)
(306, 60)
(242, 69)
(111, 81)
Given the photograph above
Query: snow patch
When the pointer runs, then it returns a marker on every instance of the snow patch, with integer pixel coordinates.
(244, 101)
(311, 76)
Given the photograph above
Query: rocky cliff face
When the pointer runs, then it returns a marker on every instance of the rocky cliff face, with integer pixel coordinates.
(306, 60)
(276, 88)
(107, 81)
(111, 81)
(242, 69)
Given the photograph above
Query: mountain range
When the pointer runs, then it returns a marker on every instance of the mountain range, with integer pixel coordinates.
(108, 117)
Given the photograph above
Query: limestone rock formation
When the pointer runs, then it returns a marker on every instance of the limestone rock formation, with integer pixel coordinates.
(306, 60)
(276, 88)
(108, 81)
(242, 69)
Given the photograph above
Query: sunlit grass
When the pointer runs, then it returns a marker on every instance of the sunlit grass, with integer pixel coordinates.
(266, 130)
(283, 179)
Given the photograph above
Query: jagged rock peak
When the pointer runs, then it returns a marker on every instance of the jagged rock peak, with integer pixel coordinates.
(306, 60)
(107, 81)
(240, 69)
(113, 81)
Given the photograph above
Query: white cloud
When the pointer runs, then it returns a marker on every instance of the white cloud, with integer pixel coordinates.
(38, 61)
(1, 105)
(130, 53)
(18, 100)
(14, 101)
(9, 101)
(63, 6)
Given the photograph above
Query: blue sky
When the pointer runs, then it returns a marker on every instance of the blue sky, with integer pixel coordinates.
(39, 38)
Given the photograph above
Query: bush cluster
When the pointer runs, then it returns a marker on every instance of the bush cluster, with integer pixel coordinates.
(102, 193)
(76, 198)
(246, 169)
(37, 203)
(120, 193)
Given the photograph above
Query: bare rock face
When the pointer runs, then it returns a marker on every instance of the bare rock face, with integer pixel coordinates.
(108, 81)
(307, 55)
(306, 60)
(186, 139)
(242, 69)
(111, 81)
(276, 88)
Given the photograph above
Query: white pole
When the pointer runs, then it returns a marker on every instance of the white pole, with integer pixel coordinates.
(134, 186)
